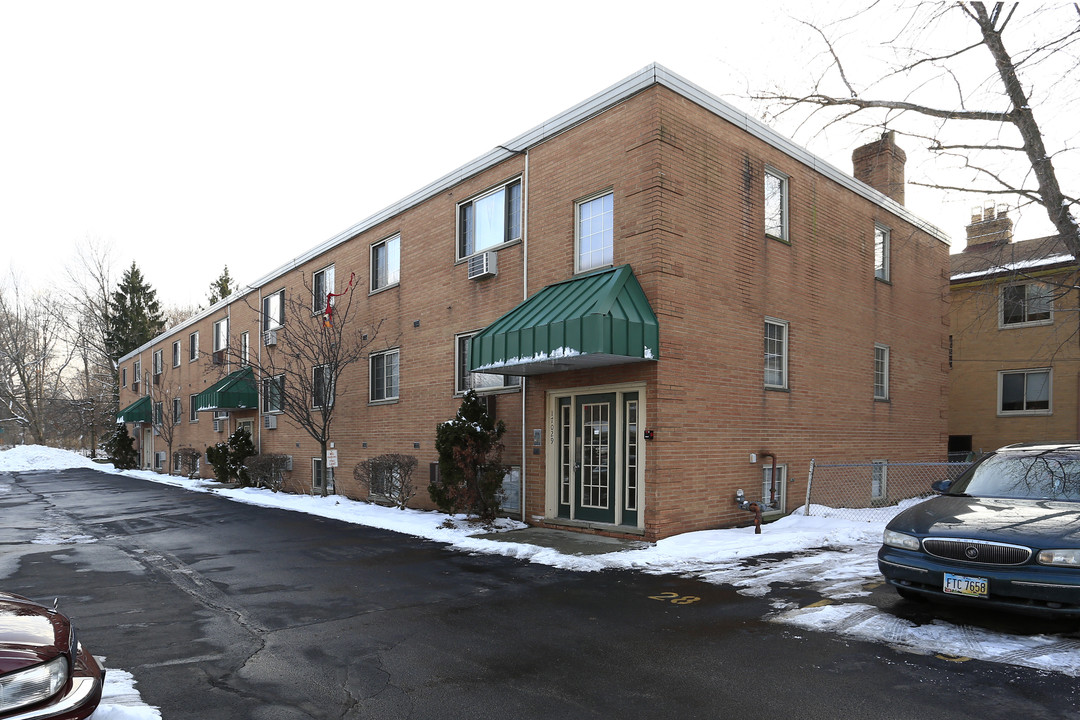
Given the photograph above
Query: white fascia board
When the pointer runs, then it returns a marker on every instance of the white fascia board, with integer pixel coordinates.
(653, 74)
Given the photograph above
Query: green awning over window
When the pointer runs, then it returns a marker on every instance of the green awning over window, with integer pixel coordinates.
(602, 318)
(235, 391)
(140, 411)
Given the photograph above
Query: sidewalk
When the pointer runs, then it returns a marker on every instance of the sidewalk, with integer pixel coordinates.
(566, 542)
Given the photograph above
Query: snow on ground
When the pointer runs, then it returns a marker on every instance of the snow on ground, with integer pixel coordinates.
(835, 556)
(120, 700)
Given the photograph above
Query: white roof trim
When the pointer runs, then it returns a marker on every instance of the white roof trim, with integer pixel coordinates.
(653, 74)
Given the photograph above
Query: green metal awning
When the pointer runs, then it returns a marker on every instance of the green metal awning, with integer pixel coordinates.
(140, 411)
(235, 391)
(593, 320)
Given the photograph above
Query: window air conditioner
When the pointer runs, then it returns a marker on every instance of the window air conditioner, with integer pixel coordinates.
(270, 337)
(270, 422)
(483, 265)
(219, 357)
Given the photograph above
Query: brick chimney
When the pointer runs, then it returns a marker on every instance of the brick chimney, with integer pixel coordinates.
(880, 165)
(990, 227)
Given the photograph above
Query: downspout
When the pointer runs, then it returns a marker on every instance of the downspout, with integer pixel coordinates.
(258, 381)
(524, 296)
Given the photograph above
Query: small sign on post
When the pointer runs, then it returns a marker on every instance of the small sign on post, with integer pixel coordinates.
(331, 458)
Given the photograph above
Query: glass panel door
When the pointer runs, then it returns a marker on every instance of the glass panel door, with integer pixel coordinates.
(594, 460)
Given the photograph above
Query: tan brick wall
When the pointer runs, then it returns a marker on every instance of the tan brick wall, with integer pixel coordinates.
(689, 219)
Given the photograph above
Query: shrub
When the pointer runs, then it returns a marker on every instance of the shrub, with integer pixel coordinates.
(240, 449)
(120, 448)
(186, 460)
(267, 470)
(218, 457)
(388, 476)
(470, 461)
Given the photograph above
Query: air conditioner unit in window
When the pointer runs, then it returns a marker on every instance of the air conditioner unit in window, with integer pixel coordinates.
(270, 422)
(219, 357)
(270, 337)
(483, 265)
(219, 425)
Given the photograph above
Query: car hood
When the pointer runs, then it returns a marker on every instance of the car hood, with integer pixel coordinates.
(1034, 523)
(29, 633)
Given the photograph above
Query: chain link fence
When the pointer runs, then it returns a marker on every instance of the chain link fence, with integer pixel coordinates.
(872, 491)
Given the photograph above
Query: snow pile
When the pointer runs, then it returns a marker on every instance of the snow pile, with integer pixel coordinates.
(27, 458)
(121, 701)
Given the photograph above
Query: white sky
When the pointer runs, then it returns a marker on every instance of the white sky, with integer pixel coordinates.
(190, 136)
(833, 556)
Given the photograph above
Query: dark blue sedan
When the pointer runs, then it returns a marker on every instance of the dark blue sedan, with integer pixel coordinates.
(1005, 534)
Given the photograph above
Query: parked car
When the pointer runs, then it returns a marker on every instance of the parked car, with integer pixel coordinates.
(45, 674)
(1005, 533)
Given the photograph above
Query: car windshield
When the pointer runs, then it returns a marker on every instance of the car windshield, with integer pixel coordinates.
(1042, 476)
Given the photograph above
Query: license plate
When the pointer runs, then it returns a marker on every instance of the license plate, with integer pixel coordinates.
(966, 585)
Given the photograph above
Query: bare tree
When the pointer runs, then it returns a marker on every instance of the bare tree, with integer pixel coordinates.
(34, 359)
(303, 370)
(954, 83)
(176, 314)
(165, 391)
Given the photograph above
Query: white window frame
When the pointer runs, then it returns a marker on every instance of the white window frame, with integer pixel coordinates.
(158, 413)
(781, 489)
(784, 190)
(784, 383)
(245, 347)
(327, 382)
(322, 284)
(392, 247)
(882, 369)
(178, 410)
(513, 218)
(384, 392)
(221, 335)
(879, 479)
(273, 310)
(193, 408)
(1025, 303)
(176, 353)
(583, 227)
(123, 377)
(316, 472)
(159, 361)
(193, 346)
(1026, 372)
(267, 408)
(136, 373)
(479, 382)
(882, 250)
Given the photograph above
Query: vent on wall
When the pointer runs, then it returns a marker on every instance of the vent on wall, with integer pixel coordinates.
(484, 265)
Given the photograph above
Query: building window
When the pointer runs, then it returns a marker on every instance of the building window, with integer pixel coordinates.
(322, 285)
(465, 380)
(221, 335)
(881, 372)
(123, 377)
(193, 408)
(1024, 392)
(386, 263)
(321, 386)
(384, 376)
(879, 471)
(595, 232)
(776, 354)
(176, 353)
(158, 413)
(317, 475)
(158, 364)
(193, 347)
(1026, 304)
(489, 220)
(773, 495)
(177, 410)
(245, 347)
(776, 204)
(273, 392)
(273, 310)
(882, 237)
(136, 374)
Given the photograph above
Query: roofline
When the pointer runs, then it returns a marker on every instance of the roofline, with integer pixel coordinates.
(652, 74)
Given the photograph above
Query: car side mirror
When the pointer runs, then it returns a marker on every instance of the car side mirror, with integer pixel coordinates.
(941, 486)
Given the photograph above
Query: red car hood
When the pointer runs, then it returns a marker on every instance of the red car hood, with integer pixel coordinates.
(29, 633)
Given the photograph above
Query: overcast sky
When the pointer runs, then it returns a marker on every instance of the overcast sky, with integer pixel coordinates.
(192, 135)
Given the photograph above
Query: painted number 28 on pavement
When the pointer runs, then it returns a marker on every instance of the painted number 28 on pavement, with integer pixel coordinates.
(675, 598)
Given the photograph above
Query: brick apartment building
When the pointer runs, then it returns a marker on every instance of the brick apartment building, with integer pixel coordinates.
(1015, 358)
(667, 300)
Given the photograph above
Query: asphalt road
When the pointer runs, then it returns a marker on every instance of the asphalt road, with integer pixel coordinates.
(224, 610)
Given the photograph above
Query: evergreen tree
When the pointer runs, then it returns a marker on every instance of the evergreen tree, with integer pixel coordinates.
(120, 449)
(223, 287)
(134, 314)
(470, 461)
